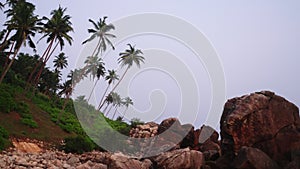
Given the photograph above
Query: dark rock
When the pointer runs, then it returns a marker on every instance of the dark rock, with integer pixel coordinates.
(253, 158)
(180, 159)
(261, 120)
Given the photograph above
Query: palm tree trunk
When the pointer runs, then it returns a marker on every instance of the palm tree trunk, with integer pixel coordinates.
(40, 61)
(115, 113)
(102, 99)
(10, 63)
(109, 110)
(120, 80)
(36, 80)
(105, 108)
(124, 112)
(92, 90)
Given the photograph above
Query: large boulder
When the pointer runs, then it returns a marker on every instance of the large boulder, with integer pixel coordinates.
(179, 159)
(253, 158)
(261, 120)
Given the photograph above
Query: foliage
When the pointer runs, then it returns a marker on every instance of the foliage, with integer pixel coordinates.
(7, 102)
(135, 121)
(26, 117)
(3, 138)
(78, 144)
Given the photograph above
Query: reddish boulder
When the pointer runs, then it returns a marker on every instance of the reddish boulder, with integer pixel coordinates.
(180, 159)
(253, 158)
(261, 120)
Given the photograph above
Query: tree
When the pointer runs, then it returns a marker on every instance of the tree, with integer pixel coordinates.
(25, 23)
(128, 58)
(110, 78)
(126, 102)
(60, 61)
(57, 30)
(99, 73)
(101, 30)
(117, 103)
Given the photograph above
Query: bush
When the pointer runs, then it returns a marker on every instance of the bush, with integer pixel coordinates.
(78, 144)
(29, 122)
(7, 102)
(3, 138)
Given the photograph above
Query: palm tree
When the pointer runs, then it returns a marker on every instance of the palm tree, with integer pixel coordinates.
(57, 30)
(101, 30)
(110, 78)
(25, 23)
(92, 64)
(127, 101)
(117, 103)
(60, 61)
(100, 72)
(108, 100)
(128, 58)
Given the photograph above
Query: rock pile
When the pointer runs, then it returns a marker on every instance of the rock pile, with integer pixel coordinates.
(144, 130)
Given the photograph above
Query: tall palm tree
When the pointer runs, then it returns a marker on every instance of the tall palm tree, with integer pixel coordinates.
(92, 64)
(128, 58)
(57, 29)
(101, 30)
(100, 73)
(60, 61)
(110, 78)
(127, 101)
(25, 23)
(118, 103)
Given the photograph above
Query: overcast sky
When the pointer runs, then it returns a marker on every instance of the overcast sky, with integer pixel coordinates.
(257, 42)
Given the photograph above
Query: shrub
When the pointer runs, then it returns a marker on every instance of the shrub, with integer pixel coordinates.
(3, 138)
(78, 144)
(7, 102)
(29, 122)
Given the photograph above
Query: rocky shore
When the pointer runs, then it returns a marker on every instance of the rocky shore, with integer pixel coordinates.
(258, 131)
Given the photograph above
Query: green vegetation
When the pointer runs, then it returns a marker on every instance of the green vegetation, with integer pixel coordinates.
(78, 144)
(35, 101)
(4, 142)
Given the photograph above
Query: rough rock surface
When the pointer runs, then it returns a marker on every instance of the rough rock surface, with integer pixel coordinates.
(261, 120)
(180, 159)
(253, 158)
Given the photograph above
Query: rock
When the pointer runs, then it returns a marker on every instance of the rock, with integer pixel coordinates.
(171, 124)
(253, 158)
(26, 147)
(99, 166)
(73, 160)
(261, 120)
(120, 161)
(295, 164)
(180, 159)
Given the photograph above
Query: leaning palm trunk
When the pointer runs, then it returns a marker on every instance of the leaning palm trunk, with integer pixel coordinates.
(120, 80)
(109, 111)
(124, 112)
(115, 113)
(46, 52)
(92, 90)
(36, 80)
(102, 99)
(10, 63)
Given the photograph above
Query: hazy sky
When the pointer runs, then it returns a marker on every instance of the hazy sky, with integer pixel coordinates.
(257, 42)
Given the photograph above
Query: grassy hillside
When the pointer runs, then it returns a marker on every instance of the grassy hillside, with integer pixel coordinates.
(38, 116)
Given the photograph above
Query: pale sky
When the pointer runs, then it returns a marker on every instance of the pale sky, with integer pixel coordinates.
(257, 42)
